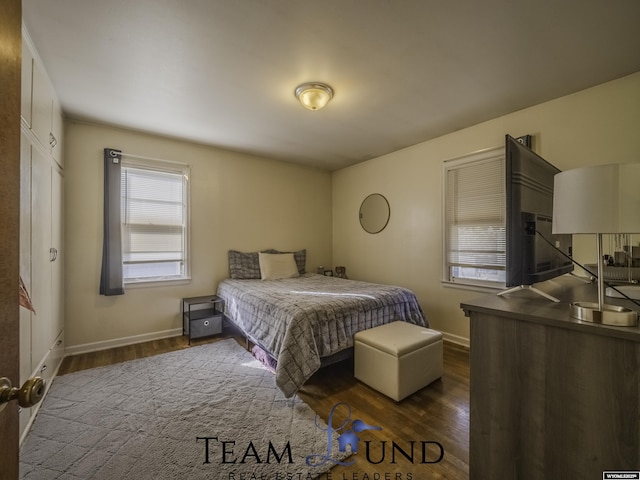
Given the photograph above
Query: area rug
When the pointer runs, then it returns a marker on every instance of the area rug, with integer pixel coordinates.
(206, 412)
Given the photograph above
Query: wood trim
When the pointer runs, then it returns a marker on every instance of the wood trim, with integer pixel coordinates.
(10, 102)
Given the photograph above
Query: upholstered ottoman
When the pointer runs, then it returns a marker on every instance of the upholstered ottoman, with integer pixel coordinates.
(398, 358)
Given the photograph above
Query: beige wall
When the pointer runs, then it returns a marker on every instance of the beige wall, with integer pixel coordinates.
(249, 203)
(596, 126)
(237, 202)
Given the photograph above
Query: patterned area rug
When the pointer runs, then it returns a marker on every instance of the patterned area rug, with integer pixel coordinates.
(211, 411)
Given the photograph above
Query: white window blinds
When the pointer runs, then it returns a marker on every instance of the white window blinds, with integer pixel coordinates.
(154, 222)
(475, 246)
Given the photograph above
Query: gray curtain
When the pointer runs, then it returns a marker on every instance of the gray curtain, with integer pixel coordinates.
(111, 282)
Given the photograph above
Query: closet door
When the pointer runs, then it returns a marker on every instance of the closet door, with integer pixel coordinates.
(27, 74)
(41, 105)
(57, 278)
(41, 255)
(25, 254)
(57, 134)
(25, 267)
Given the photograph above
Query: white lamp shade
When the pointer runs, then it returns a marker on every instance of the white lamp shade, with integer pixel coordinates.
(598, 199)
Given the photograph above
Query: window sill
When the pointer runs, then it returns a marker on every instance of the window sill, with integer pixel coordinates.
(157, 283)
(474, 288)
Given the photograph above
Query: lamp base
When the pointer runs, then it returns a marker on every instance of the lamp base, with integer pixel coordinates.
(610, 315)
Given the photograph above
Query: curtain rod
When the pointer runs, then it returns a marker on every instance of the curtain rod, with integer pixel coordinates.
(113, 153)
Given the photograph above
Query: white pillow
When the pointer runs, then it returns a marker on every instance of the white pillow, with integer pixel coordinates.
(277, 265)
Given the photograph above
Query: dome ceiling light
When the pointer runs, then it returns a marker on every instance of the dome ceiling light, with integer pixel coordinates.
(314, 95)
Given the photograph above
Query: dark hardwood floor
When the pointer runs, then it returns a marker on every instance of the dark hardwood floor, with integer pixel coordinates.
(435, 419)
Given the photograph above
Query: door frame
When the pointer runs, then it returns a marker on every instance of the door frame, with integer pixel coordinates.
(10, 101)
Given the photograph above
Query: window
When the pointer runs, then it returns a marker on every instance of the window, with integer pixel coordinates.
(474, 219)
(154, 218)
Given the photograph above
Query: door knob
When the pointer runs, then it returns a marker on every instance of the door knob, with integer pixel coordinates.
(31, 392)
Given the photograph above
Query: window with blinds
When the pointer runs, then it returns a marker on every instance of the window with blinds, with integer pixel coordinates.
(154, 222)
(474, 217)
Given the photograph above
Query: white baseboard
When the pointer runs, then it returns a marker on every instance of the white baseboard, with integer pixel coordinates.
(121, 342)
(176, 332)
(458, 340)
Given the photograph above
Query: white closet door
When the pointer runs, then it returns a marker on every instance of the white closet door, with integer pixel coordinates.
(41, 105)
(57, 278)
(25, 255)
(27, 72)
(41, 325)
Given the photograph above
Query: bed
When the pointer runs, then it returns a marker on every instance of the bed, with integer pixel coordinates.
(309, 319)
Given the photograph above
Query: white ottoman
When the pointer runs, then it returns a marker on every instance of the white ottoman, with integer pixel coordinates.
(398, 358)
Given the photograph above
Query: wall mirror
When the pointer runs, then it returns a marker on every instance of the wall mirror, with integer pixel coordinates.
(374, 213)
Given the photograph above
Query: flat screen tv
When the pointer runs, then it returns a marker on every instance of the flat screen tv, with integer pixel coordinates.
(529, 199)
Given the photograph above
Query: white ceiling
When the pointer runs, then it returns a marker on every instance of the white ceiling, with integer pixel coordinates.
(223, 72)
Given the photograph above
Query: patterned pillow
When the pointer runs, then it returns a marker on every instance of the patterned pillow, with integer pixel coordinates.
(244, 266)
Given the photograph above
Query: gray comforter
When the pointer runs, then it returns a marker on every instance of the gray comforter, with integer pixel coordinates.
(299, 320)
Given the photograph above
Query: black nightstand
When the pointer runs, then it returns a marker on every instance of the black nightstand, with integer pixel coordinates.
(205, 320)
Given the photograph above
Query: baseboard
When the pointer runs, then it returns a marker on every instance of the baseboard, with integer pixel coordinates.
(176, 332)
(121, 342)
(458, 340)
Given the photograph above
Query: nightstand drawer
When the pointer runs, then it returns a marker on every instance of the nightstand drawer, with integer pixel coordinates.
(203, 327)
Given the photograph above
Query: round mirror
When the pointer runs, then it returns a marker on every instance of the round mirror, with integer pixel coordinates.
(374, 213)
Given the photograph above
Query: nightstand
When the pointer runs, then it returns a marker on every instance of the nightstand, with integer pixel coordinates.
(202, 316)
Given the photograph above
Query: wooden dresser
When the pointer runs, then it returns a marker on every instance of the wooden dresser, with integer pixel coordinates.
(551, 397)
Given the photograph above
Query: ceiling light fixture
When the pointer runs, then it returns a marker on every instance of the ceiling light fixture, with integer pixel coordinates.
(314, 95)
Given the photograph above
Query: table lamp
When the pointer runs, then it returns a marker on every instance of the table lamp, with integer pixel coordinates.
(599, 200)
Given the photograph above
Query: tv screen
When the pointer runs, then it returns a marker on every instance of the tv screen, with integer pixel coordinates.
(529, 198)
